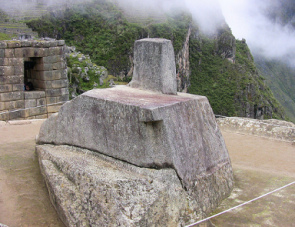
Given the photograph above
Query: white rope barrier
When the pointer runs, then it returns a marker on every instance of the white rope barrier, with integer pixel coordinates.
(243, 204)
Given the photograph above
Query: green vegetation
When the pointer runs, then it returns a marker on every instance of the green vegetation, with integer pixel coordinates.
(4, 36)
(101, 31)
(3, 16)
(230, 87)
(211, 78)
(280, 78)
(222, 68)
(84, 75)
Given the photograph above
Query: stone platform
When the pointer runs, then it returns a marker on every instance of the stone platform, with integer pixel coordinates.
(171, 163)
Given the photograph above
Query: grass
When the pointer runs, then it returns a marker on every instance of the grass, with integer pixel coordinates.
(4, 36)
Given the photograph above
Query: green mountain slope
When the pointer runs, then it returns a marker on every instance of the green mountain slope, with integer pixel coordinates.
(220, 67)
(280, 77)
(280, 72)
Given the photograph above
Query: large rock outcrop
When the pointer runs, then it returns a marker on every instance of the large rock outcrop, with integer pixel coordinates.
(170, 145)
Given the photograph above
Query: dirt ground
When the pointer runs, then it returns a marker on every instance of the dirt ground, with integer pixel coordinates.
(260, 165)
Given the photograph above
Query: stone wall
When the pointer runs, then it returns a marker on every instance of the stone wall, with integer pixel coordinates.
(43, 64)
(272, 128)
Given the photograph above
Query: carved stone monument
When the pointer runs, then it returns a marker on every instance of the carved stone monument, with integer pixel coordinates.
(137, 155)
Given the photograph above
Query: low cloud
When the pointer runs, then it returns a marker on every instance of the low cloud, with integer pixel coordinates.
(246, 18)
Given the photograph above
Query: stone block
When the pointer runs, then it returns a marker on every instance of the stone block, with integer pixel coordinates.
(135, 196)
(38, 111)
(3, 45)
(49, 59)
(53, 92)
(2, 106)
(48, 67)
(46, 44)
(64, 74)
(30, 103)
(34, 94)
(4, 116)
(52, 51)
(2, 53)
(37, 44)
(149, 129)
(154, 66)
(41, 52)
(64, 91)
(19, 53)
(58, 65)
(18, 70)
(53, 43)
(41, 84)
(50, 75)
(41, 102)
(14, 62)
(26, 113)
(7, 70)
(18, 87)
(51, 100)
(42, 116)
(28, 52)
(40, 67)
(56, 74)
(5, 88)
(34, 112)
(13, 44)
(59, 83)
(61, 42)
(11, 96)
(25, 43)
(13, 105)
(62, 98)
(45, 75)
(11, 79)
(58, 50)
(53, 109)
(2, 61)
(31, 118)
(16, 115)
(9, 53)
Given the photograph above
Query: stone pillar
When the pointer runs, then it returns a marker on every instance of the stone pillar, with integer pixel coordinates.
(154, 66)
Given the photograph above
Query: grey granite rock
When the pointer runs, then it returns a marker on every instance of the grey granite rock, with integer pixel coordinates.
(143, 128)
(154, 66)
(154, 157)
(88, 189)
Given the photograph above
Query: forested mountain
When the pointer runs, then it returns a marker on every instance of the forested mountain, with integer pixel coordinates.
(217, 65)
(279, 72)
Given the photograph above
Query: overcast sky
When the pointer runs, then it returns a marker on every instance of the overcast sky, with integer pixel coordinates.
(245, 18)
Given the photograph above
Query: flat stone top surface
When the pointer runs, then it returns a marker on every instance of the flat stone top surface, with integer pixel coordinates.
(142, 98)
(156, 40)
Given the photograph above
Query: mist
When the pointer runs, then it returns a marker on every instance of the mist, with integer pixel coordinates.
(246, 18)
